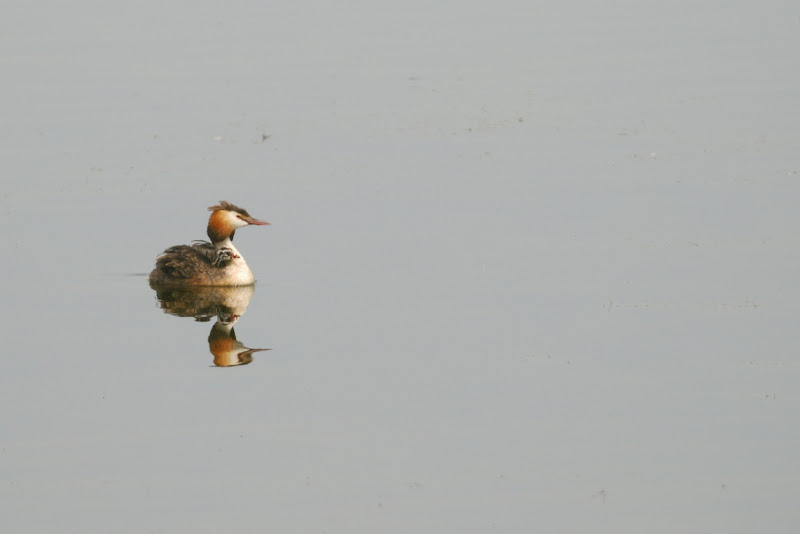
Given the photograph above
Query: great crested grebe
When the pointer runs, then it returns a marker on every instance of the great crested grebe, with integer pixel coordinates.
(208, 264)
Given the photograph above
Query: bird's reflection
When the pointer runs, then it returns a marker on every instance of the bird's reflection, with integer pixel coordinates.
(227, 304)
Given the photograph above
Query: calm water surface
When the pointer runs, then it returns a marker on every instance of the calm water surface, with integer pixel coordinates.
(531, 269)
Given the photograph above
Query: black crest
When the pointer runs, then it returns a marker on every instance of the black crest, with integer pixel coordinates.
(225, 205)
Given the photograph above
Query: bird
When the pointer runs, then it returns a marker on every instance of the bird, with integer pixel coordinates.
(204, 263)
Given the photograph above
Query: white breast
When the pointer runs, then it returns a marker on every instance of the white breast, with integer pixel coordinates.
(238, 273)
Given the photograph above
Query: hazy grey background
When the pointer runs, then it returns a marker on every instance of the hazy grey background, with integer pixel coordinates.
(532, 268)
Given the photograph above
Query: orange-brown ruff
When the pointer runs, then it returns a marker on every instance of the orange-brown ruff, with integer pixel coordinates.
(217, 263)
(226, 349)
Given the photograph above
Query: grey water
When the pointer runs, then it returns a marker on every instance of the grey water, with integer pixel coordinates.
(531, 268)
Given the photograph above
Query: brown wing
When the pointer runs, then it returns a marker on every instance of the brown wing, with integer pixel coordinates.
(183, 262)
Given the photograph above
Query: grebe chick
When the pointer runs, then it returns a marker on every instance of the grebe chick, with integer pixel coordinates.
(217, 263)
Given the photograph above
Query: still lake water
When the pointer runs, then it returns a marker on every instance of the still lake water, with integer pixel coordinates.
(531, 269)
